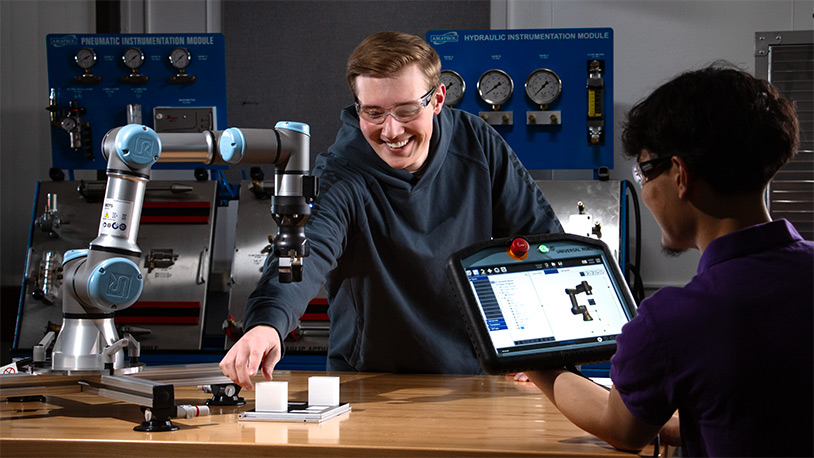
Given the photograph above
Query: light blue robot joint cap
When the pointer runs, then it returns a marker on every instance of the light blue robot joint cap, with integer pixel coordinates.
(295, 126)
(232, 145)
(138, 146)
(70, 255)
(115, 283)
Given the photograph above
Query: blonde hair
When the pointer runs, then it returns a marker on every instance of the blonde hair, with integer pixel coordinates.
(384, 54)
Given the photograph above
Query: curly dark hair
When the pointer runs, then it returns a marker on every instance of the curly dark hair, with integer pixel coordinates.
(733, 130)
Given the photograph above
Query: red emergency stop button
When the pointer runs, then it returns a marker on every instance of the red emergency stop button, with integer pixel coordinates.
(519, 249)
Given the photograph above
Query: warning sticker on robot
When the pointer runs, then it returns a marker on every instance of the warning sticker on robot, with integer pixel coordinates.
(115, 217)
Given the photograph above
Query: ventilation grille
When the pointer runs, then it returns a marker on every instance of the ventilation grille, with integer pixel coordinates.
(791, 192)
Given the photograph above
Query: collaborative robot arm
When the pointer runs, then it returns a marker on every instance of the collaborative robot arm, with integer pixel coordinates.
(106, 278)
(577, 309)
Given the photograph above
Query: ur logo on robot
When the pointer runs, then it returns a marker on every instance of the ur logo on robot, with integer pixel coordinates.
(119, 285)
(115, 226)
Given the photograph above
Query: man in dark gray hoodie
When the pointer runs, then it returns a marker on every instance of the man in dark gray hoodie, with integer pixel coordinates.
(407, 182)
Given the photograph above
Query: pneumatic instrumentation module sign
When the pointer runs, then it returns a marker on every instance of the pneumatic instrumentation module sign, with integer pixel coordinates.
(168, 82)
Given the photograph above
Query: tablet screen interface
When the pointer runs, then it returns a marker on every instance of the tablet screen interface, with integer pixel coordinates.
(528, 307)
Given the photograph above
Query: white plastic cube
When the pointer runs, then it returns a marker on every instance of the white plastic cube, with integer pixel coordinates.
(271, 397)
(323, 391)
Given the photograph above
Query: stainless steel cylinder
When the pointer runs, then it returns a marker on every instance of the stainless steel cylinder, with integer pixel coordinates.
(121, 212)
(188, 147)
(80, 343)
(133, 113)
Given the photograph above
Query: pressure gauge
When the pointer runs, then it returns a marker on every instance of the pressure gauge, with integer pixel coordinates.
(543, 86)
(133, 58)
(85, 58)
(180, 57)
(495, 86)
(456, 87)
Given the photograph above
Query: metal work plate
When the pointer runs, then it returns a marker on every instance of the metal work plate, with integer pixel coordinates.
(298, 412)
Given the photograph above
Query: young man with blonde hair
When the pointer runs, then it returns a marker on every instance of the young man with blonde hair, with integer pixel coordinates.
(407, 182)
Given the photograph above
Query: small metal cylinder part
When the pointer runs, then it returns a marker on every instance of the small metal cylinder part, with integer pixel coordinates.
(51, 205)
(133, 113)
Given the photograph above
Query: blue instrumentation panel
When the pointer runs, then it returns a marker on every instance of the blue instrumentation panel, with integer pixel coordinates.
(549, 92)
(170, 82)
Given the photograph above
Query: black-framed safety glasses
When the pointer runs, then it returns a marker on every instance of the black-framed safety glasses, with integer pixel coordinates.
(647, 170)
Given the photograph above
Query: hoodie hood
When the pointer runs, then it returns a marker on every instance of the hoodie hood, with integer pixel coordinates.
(352, 148)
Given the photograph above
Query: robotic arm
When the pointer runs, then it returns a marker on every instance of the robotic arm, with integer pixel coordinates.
(105, 278)
(576, 309)
(286, 146)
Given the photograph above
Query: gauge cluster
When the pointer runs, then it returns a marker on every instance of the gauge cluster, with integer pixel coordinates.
(544, 90)
(169, 82)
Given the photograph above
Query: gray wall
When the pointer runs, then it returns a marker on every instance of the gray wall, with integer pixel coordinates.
(25, 141)
(286, 59)
(654, 40)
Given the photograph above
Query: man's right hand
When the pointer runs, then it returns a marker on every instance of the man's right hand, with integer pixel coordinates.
(261, 344)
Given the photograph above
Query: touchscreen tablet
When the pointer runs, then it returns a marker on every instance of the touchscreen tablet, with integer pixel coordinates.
(541, 301)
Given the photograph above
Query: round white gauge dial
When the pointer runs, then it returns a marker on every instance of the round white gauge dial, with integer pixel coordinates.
(133, 58)
(543, 86)
(495, 86)
(456, 87)
(180, 57)
(85, 58)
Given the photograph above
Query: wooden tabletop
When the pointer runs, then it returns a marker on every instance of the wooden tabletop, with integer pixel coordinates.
(392, 415)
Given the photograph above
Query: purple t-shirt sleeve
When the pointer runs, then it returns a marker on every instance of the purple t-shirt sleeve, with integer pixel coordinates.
(640, 370)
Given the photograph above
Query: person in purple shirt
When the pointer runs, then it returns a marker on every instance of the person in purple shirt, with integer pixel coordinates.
(731, 351)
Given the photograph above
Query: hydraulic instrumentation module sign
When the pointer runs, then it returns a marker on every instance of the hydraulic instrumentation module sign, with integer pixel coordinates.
(549, 92)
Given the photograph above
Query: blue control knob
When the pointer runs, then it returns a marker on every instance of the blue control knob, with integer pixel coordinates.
(115, 284)
(232, 145)
(138, 146)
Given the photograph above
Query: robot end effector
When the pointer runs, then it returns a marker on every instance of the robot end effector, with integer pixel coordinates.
(294, 187)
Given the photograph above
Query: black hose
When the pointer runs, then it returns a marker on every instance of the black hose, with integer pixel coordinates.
(637, 285)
